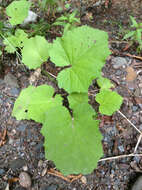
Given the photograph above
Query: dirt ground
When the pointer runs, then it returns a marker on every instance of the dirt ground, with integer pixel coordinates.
(21, 147)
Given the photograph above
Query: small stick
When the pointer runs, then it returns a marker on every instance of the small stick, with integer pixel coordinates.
(129, 121)
(76, 178)
(121, 156)
(139, 140)
(134, 56)
(64, 178)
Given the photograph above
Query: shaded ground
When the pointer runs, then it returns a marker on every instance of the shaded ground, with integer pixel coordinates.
(23, 150)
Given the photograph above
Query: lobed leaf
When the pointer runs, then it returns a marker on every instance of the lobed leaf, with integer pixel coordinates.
(33, 102)
(35, 52)
(109, 102)
(85, 50)
(77, 145)
(104, 83)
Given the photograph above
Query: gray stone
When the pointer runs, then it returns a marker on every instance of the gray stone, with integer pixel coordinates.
(51, 187)
(32, 17)
(118, 62)
(25, 180)
(2, 171)
(22, 127)
(17, 164)
(11, 80)
(138, 184)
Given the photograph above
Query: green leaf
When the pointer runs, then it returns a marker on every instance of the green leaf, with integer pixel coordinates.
(109, 102)
(35, 52)
(138, 35)
(15, 41)
(77, 145)
(104, 83)
(33, 102)
(85, 50)
(18, 11)
(0, 52)
(134, 22)
(128, 35)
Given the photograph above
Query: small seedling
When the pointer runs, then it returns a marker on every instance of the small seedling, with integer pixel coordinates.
(69, 21)
(136, 34)
(72, 136)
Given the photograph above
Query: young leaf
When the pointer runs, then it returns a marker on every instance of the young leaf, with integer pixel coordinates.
(15, 41)
(134, 22)
(35, 52)
(33, 102)
(128, 35)
(85, 50)
(77, 147)
(18, 11)
(109, 102)
(104, 83)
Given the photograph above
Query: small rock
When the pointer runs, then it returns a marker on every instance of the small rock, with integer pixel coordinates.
(25, 180)
(51, 187)
(118, 62)
(135, 108)
(25, 168)
(44, 171)
(2, 171)
(14, 91)
(40, 163)
(118, 72)
(11, 80)
(83, 179)
(17, 164)
(22, 128)
(138, 184)
(32, 17)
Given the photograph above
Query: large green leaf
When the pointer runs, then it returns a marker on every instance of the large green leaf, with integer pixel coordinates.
(76, 147)
(33, 103)
(18, 11)
(35, 52)
(109, 101)
(85, 50)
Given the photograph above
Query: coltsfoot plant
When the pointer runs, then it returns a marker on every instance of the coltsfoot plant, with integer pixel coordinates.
(72, 136)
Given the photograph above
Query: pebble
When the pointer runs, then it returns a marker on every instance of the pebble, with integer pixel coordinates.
(11, 80)
(40, 163)
(25, 180)
(14, 91)
(32, 17)
(1, 171)
(51, 187)
(25, 168)
(118, 62)
(44, 171)
(22, 128)
(138, 184)
(135, 108)
(83, 179)
(17, 164)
